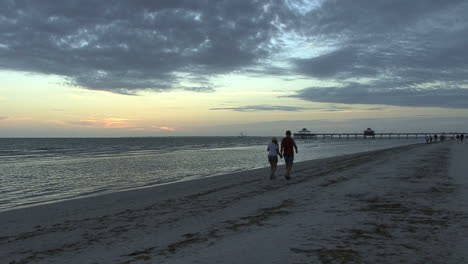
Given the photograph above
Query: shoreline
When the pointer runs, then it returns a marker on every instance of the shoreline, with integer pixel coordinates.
(333, 208)
(225, 176)
(71, 177)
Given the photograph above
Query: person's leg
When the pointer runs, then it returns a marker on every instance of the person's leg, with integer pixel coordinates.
(273, 169)
(273, 164)
(289, 171)
(288, 161)
(289, 168)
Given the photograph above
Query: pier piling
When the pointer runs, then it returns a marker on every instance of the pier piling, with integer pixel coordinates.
(389, 135)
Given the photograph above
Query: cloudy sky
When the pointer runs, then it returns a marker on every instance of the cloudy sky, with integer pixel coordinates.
(204, 67)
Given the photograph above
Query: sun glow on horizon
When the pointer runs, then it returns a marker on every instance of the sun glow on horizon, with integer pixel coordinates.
(52, 107)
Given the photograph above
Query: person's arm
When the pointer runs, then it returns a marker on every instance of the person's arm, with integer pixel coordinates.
(281, 151)
(295, 146)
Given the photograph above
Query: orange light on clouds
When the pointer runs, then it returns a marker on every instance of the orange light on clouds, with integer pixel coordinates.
(16, 118)
(103, 123)
(117, 123)
(166, 128)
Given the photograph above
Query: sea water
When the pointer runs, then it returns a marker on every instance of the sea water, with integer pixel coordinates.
(43, 170)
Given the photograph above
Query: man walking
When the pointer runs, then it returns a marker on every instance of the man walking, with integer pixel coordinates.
(287, 145)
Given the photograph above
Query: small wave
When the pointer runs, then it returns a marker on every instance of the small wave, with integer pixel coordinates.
(93, 192)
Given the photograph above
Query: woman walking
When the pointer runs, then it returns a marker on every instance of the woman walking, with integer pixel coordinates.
(273, 153)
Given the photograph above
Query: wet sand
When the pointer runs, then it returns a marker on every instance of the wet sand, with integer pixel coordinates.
(401, 205)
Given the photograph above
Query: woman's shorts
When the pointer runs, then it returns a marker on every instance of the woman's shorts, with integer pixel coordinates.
(288, 159)
(273, 159)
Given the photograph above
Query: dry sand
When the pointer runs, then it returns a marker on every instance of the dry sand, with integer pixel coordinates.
(401, 205)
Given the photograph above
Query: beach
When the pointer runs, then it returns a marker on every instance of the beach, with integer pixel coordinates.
(406, 204)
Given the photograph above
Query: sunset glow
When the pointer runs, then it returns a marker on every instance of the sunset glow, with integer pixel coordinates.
(265, 68)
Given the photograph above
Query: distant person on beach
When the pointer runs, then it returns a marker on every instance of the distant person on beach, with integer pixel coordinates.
(462, 136)
(435, 137)
(273, 153)
(287, 150)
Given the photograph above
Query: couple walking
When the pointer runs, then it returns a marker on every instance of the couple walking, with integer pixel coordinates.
(287, 151)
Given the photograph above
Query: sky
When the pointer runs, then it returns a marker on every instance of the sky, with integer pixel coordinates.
(82, 68)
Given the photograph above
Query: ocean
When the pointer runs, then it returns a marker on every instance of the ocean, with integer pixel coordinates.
(43, 170)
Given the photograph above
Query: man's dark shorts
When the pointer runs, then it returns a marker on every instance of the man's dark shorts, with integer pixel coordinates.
(273, 159)
(288, 160)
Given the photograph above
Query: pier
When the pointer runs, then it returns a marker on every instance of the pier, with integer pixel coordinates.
(388, 135)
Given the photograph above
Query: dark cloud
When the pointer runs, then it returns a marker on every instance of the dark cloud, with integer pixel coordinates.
(124, 46)
(389, 52)
(359, 94)
(341, 63)
(335, 108)
(375, 108)
(374, 48)
(256, 108)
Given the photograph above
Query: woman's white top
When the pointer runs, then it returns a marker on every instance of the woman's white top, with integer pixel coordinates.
(273, 149)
